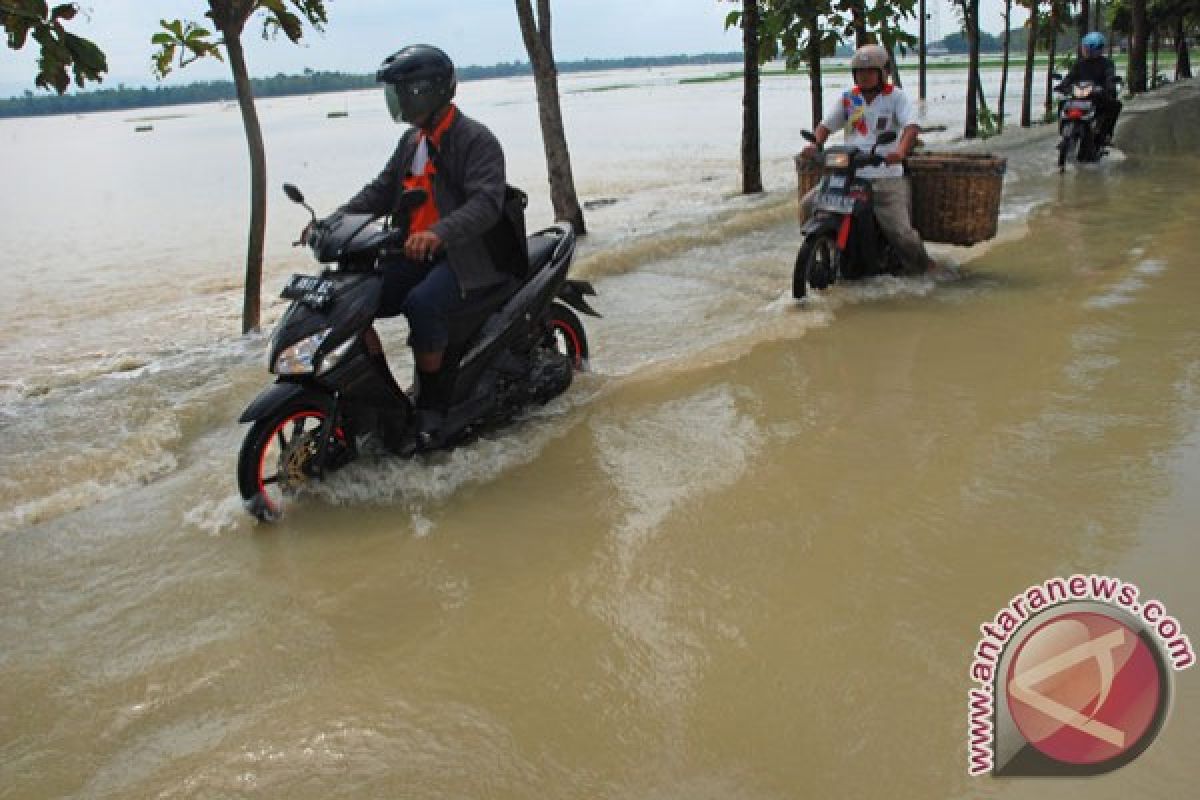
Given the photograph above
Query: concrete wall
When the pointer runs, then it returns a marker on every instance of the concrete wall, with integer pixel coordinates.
(1165, 122)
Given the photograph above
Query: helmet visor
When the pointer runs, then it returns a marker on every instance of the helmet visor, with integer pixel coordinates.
(411, 100)
(392, 93)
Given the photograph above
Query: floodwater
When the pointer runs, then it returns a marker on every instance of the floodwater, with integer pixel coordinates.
(745, 556)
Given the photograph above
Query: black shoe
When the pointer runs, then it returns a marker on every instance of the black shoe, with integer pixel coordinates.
(424, 436)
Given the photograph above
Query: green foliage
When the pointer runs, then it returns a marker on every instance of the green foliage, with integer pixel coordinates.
(988, 123)
(60, 50)
(192, 42)
(788, 27)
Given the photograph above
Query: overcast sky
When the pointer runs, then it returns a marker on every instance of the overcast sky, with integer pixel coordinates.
(484, 32)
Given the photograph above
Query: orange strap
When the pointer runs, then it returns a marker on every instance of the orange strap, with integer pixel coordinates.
(424, 216)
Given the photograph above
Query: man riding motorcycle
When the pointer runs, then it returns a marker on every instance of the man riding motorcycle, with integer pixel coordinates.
(1094, 66)
(445, 261)
(870, 108)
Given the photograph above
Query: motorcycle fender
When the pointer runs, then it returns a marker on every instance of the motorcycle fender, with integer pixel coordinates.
(821, 223)
(275, 397)
(573, 293)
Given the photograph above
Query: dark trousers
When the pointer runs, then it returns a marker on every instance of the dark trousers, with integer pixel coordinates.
(426, 294)
(1108, 108)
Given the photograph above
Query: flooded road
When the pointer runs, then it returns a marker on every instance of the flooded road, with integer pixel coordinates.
(746, 556)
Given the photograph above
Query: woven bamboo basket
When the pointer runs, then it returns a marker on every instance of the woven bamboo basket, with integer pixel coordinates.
(956, 196)
(808, 173)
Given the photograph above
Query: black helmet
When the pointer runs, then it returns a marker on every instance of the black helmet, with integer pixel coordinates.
(420, 80)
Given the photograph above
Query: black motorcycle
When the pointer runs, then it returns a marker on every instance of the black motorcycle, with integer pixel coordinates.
(1078, 125)
(511, 348)
(842, 239)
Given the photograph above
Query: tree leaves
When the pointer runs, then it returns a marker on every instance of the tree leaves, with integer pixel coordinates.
(190, 41)
(62, 54)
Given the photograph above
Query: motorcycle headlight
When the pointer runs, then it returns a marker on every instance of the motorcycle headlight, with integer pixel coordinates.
(837, 160)
(334, 356)
(1082, 91)
(298, 358)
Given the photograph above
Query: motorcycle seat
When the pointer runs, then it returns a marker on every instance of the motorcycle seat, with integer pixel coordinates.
(465, 320)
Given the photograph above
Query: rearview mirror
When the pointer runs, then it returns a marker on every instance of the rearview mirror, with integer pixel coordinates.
(293, 193)
(809, 136)
(887, 137)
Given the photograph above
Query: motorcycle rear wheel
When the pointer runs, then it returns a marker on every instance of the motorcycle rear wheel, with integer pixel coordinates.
(565, 335)
(277, 455)
(1087, 147)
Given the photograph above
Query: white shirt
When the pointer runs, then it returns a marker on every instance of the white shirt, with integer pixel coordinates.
(862, 122)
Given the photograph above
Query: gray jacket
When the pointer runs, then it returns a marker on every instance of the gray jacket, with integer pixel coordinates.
(468, 189)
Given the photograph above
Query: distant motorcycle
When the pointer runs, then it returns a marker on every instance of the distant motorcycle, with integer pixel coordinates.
(514, 347)
(1078, 126)
(842, 239)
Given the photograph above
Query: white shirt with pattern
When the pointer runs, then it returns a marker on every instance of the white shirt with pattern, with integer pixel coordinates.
(862, 122)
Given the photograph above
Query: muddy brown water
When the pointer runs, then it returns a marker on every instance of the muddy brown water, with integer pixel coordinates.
(746, 556)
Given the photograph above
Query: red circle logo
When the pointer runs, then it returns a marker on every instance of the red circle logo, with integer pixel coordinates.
(1084, 688)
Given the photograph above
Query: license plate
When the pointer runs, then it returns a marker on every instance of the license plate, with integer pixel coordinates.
(837, 203)
(1079, 105)
(312, 291)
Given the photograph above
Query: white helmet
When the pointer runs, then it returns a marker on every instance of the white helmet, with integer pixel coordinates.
(869, 56)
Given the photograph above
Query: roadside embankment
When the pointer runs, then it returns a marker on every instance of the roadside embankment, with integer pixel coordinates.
(1164, 122)
(1160, 123)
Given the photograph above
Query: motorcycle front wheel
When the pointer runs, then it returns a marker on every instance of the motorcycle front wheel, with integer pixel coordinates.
(278, 456)
(821, 267)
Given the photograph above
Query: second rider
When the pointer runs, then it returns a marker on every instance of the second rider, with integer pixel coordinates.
(871, 107)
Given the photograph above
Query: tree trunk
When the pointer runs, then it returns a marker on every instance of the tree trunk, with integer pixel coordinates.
(971, 129)
(894, 67)
(1030, 52)
(1048, 104)
(258, 176)
(538, 44)
(1135, 77)
(1004, 66)
(921, 44)
(858, 21)
(1183, 62)
(1085, 18)
(1156, 43)
(814, 69)
(1153, 67)
(751, 167)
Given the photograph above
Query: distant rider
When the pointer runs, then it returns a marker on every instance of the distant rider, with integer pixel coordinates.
(460, 163)
(872, 107)
(1094, 66)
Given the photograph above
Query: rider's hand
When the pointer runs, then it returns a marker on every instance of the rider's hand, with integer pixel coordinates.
(422, 246)
(303, 240)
